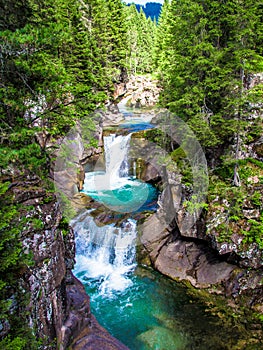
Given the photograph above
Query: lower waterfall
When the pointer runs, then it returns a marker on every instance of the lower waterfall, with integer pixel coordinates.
(105, 254)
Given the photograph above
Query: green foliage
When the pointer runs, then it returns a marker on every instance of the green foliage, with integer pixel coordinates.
(159, 138)
(13, 262)
(232, 201)
(256, 199)
(13, 344)
(194, 205)
(140, 41)
(254, 161)
(224, 232)
(59, 62)
(255, 232)
(260, 317)
(107, 43)
(206, 53)
(179, 156)
(64, 226)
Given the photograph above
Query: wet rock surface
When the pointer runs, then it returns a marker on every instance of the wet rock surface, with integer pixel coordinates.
(180, 259)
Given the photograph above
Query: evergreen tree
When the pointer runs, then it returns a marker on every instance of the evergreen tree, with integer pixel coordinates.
(162, 38)
(141, 36)
(210, 51)
(133, 40)
(117, 38)
(108, 41)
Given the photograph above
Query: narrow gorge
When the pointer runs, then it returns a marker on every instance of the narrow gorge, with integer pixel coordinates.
(124, 226)
(131, 175)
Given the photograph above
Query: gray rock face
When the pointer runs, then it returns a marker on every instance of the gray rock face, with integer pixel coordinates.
(192, 262)
(196, 255)
(141, 92)
(182, 260)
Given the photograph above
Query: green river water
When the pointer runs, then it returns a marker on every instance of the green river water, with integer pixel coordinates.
(140, 307)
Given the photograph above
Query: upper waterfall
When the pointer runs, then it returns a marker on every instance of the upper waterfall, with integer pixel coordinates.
(116, 155)
(114, 187)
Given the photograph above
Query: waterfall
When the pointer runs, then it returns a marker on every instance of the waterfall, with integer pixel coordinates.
(104, 254)
(116, 173)
(113, 187)
(116, 155)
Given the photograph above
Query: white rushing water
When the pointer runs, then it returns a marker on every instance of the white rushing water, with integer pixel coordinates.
(116, 150)
(105, 254)
(113, 187)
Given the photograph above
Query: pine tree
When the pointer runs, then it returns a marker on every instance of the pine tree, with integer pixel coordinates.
(206, 45)
(108, 41)
(141, 36)
(117, 38)
(132, 39)
(161, 38)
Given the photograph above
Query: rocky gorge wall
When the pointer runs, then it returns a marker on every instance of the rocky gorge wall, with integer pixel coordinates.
(221, 251)
(59, 309)
(198, 255)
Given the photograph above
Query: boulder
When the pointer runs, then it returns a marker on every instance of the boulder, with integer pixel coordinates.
(179, 259)
(193, 262)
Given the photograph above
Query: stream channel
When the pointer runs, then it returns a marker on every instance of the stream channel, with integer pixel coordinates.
(137, 305)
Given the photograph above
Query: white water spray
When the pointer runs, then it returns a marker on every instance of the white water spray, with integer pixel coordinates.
(116, 156)
(105, 254)
(113, 187)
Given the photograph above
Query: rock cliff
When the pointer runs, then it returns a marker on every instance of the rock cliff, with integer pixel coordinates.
(59, 310)
(221, 250)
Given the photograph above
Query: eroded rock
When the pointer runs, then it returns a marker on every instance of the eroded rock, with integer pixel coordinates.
(59, 309)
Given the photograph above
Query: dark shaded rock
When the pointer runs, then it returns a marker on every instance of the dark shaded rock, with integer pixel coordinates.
(193, 262)
(119, 91)
(81, 325)
(154, 233)
(96, 338)
(149, 173)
